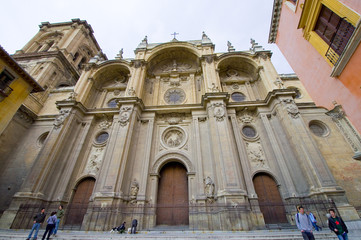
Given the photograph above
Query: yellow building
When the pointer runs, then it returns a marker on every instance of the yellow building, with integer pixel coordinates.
(15, 86)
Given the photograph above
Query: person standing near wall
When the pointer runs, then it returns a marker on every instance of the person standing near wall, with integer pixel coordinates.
(38, 220)
(337, 225)
(59, 215)
(304, 224)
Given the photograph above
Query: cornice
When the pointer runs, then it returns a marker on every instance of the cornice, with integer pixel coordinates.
(276, 14)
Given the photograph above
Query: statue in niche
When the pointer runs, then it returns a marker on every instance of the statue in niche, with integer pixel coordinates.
(134, 189)
(209, 189)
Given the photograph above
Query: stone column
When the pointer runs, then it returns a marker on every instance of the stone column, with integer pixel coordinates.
(197, 155)
(144, 178)
(210, 76)
(281, 161)
(136, 82)
(242, 153)
(111, 173)
(83, 86)
(228, 181)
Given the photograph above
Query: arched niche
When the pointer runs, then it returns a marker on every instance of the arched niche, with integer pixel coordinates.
(109, 82)
(240, 74)
(177, 68)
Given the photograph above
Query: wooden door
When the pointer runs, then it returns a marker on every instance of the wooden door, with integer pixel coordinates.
(269, 199)
(79, 204)
(172, 206)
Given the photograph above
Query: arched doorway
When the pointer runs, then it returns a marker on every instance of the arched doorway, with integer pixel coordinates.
(269, 199)
(79, 204)
(172, 208)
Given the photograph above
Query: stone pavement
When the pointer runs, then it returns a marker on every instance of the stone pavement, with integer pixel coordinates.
(164, 235)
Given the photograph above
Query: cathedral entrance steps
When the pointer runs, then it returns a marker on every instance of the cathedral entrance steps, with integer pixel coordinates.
(240, 235)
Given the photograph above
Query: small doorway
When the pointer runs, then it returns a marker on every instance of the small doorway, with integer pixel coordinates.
(172, 208)
(269, 199)
(79, 204)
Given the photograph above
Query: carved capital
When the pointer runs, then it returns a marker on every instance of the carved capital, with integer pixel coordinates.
(61, 118)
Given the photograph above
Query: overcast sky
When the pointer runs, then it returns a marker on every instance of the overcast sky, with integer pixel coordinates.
(123, 24)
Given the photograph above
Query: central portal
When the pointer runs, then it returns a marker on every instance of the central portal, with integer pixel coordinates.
(172, 206)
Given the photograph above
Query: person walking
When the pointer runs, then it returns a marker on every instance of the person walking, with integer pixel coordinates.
(134, 226)
(59, 215)
(51, 225)
(314, 222)
(304, 224)
(337, 225)
(38, 220)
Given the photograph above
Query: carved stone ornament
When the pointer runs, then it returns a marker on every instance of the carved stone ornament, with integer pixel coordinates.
(214, 88)
(174, 137)
(72, 96)
(131, 92)
(209, 58)
(61, 118)
(246, 118)
(94, 161)
(256, 155)
(134, 189)
(138, 63)
(291, 108)
(174, 118)
(124, 115)
(105, 124)
(218, 111)
(209, 189)
(279, 83)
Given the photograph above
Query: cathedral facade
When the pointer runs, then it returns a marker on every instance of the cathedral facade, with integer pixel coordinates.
(178, 135)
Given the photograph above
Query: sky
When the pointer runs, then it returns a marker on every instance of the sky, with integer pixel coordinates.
(123, 24)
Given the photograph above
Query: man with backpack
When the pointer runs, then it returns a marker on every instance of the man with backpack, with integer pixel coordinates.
(304, 224)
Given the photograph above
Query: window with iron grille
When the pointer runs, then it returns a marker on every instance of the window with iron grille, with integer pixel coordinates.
(334, 30)
(5, 79)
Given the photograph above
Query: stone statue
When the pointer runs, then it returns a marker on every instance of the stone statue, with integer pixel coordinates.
(209, 187)
(134, 189)
(120, 54)
(230, 47)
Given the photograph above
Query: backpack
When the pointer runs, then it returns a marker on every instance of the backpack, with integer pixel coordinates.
(298, 218)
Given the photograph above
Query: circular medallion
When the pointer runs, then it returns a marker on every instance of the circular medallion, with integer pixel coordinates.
(174, 137)
(174, 96)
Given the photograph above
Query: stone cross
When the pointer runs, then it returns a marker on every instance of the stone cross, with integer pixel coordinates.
(174, 34)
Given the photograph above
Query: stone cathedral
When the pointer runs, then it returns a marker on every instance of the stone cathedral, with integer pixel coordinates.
(179, 135)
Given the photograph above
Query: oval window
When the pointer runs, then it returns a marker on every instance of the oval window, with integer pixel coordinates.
(113, 103)
(249, 131)
(102, 137)
(238, 97)
(318, 128)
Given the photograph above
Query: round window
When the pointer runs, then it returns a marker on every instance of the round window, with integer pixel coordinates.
(318, 128)
(42, 138)
(113, 103)
(249, 131)
(174, 96)
(238, 97)
(102, 137)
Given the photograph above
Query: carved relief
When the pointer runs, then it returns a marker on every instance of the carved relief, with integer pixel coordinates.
(94, 161)
(232, 75)
(105, 123)
(131, 92)
(291, 108)
(218, 111)
(214, 88)
(124, 115)
(173, 118)
(246, 118)
(72, 96)
(173, 137)
(61, 118)
(256, 155)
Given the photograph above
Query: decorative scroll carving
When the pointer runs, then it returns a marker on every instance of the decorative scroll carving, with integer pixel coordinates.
(124, 115)
(134, 189)
(246, 118)
(209, 189)
(209, 58)
(131, 92)
(256, 155)
(105, 123)
(61, 118)
(279, 83)
(173, 118)
(72, 96)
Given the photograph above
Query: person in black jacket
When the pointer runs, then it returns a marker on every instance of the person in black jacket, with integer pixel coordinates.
(337, 225)
(38, 220)
(134, 226)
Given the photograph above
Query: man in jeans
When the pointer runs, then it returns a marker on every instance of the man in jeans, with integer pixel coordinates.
(337, 225)
(304, 224)
(38, 220)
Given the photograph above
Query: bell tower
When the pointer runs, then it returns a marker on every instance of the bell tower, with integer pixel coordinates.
(56, 57)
